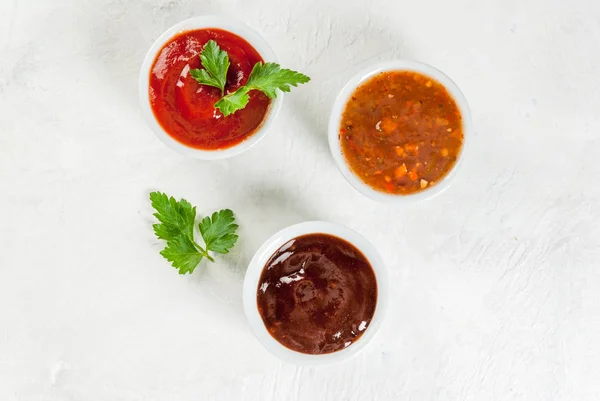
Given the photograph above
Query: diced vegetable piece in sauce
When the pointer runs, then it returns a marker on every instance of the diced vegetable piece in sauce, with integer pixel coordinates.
(406, 132)
(401, 171)
(387, 125)
(412, 149)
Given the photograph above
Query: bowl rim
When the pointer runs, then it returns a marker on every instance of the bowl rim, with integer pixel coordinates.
(257, 265)
(336, 116)
(204, 22)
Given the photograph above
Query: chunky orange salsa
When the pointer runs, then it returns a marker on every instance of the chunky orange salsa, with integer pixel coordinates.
(401, 132)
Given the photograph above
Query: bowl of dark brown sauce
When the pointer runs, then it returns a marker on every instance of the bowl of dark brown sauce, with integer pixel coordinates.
(315, 293)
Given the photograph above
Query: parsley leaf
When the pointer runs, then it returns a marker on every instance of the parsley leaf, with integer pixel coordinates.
(182, 254)
(266, 78)
(177, 220)
(216, 63)
(233, 102)
(218, 232)
(269, 77)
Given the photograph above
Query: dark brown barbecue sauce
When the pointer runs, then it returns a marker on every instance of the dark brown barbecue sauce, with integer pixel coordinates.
(317, 294)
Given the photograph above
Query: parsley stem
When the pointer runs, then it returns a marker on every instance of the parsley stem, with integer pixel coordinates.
(202, 251)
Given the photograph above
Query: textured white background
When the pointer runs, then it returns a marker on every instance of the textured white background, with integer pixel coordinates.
(495, 283)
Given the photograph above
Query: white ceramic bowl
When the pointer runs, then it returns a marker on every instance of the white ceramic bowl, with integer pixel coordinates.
(257, 265)
(340, 104)
(204, 22)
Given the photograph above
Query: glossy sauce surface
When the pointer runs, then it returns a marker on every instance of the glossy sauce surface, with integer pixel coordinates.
(317, 294)
(401, 132)
(185, 109)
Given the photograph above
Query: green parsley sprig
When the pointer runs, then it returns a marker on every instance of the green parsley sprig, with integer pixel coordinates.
(265, 77)
(177, 220)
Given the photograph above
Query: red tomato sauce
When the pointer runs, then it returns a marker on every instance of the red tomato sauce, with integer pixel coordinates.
(185, 109)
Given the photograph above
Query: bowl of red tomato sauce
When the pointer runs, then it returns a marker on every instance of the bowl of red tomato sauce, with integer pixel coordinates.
(398, 131)
(181, 112)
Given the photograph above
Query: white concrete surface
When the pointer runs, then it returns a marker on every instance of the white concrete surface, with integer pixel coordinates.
(496, 283)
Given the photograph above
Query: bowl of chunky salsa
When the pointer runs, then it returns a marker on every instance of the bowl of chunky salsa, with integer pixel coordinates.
(398, 131)
(315, 292)
(181, 111)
